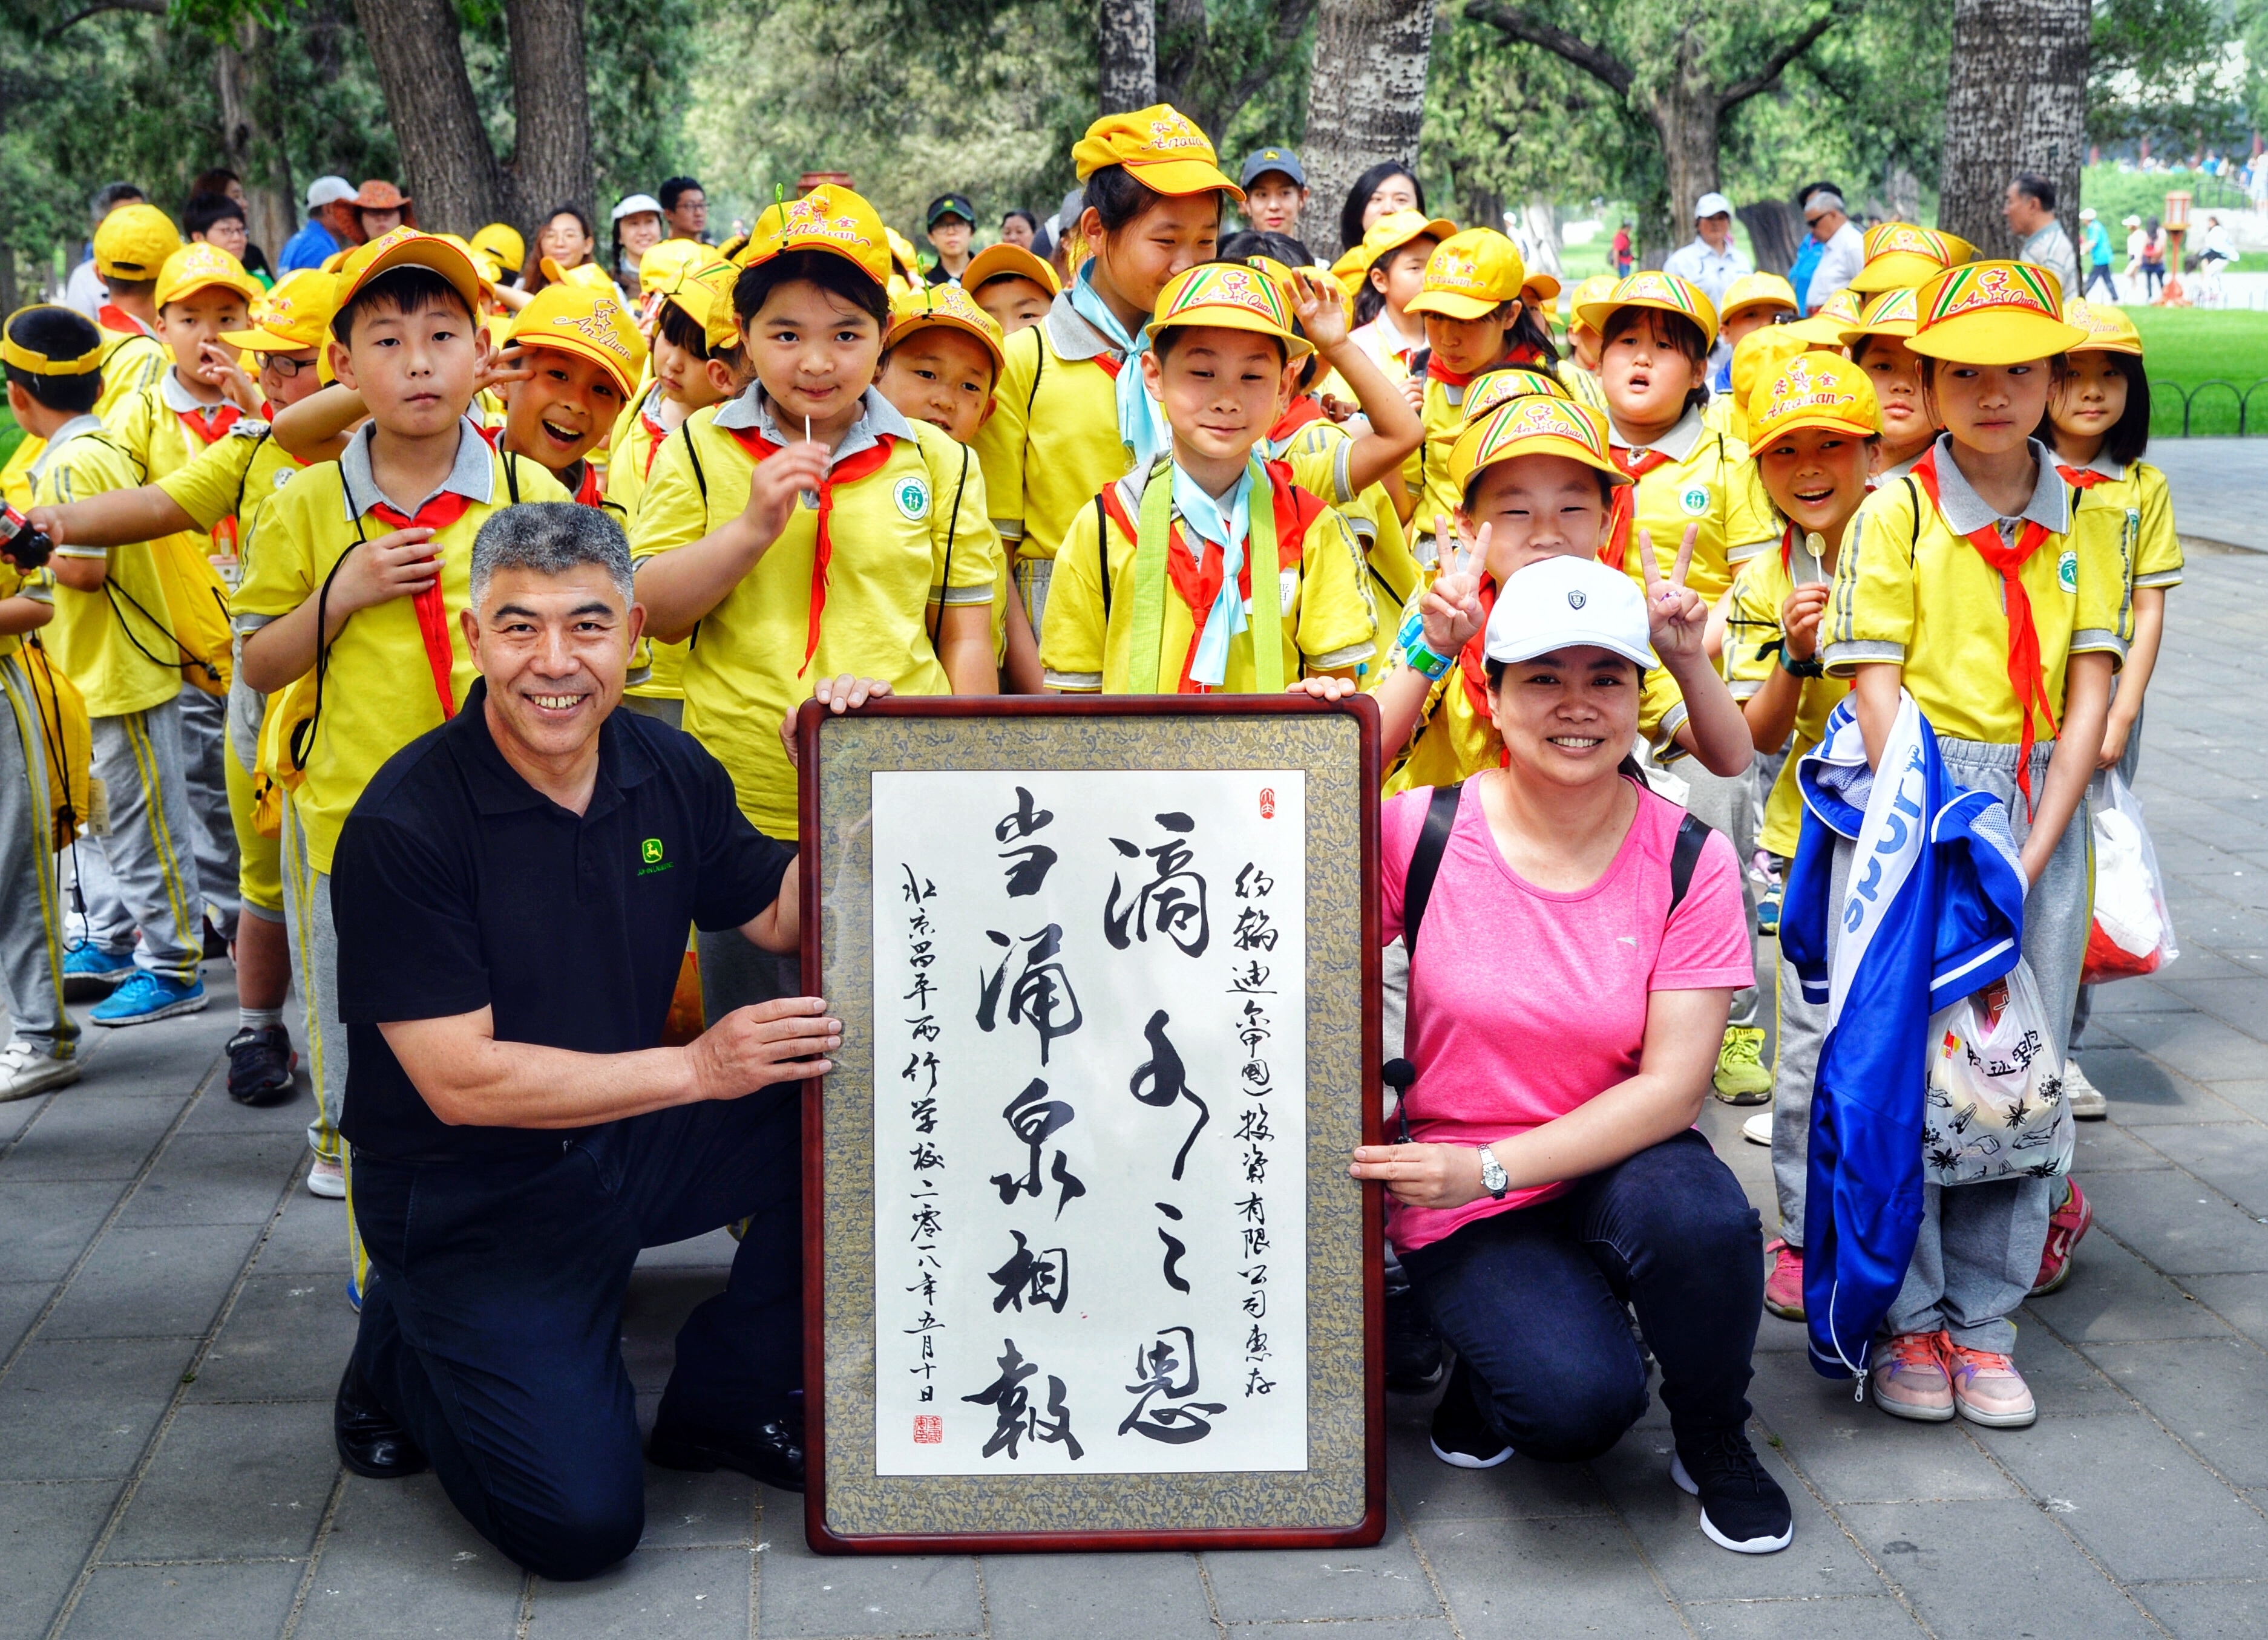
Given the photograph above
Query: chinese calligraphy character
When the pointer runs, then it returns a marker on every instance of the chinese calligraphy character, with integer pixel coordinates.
(1043, 1277)
(1161, 1372)
(1168, 1082)
(1034, 1118)
(1033, 861)
(1172, 902)
(1043, 992)
(1176, 1250)
(1018, 1419)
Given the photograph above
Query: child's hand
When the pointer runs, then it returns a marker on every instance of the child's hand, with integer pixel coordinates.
(1676, 618)
(2115, 733)
(1321, 310)
(1413, 389)
(838, 694)
(1336, 408)
(504, 366)
(398, 565)
(1451, 608)
(775, 484)
(1323, 689)
(217, 367)
(1799, 618)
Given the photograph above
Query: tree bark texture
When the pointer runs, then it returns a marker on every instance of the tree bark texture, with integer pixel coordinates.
(240, 67)
(2017, 102)
(551, 109)
(1127, 36)
(1774, 230)
(448, 168)
(1366, 100)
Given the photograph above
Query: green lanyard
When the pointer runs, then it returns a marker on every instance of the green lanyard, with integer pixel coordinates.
(1145, 663)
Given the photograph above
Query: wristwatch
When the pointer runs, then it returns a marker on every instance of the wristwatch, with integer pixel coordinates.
(1811, 668)
(1494, 1177)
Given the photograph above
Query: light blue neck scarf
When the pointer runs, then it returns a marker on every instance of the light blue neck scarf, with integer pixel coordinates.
(1228, 525)
(1141, 421)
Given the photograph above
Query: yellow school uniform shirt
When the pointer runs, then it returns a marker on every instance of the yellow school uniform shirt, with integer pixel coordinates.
(116, 669)
(232, 477)
(1751, 656)
(38, 585)
(1052, 442)
(15, 474)
(1708, 481)
(151, 426)
(1910, 591)
(891, 532)
(1583, 386)
(378, 688)
(1317, 453)
(1327, 622)
(134, 362)
(638, 434)
(1426, 471)
(2146, 519)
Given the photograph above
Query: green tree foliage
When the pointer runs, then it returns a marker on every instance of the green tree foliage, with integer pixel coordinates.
(2162, 69)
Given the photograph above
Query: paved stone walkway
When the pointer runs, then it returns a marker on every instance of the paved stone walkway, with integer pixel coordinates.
(172, 1322)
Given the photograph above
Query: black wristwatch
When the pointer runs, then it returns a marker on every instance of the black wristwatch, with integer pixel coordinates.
(1811, 668)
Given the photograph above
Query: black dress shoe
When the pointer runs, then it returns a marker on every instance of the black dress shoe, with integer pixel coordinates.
(370, 1441)
(770, 1452)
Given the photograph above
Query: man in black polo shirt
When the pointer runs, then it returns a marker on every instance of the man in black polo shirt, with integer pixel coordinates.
(512, 894)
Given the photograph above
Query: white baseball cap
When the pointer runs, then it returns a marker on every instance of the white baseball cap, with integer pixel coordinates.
(1712, 205)
(632, 204)
(1566, 602)
(328, 191)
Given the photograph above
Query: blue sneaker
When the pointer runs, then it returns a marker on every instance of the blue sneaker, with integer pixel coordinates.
(1768, 911)
(91, 962)
(148, 996)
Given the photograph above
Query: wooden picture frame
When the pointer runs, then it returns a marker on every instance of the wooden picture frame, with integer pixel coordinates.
(1338, 1499)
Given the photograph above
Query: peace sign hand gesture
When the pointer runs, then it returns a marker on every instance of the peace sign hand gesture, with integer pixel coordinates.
(1320, 310)
(1676, 618)
(1451, 608)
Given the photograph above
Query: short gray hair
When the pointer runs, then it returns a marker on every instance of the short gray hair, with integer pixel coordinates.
(550, 537)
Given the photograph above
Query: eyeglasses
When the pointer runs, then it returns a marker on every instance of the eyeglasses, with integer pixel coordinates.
(284, 366)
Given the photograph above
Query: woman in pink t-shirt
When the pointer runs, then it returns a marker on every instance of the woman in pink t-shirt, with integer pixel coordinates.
(1565, 1019)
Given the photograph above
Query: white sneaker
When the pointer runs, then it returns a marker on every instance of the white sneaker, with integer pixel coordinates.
(328, 1179)
(2085, 1099)
(25, 1071)
(1757, 1129)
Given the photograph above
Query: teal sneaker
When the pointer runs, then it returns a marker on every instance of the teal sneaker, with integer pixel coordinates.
(148, 996)
(1768, 911)
(95, 965)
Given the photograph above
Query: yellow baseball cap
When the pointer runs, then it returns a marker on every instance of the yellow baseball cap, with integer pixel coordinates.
(500, 243)
(2107, 329)
(946, 307)
(1597, 288)
(661, 266)
(1827, 324)
(1757, 289)
(1652, 289)
(591, 324)
(1891, 314)
(1161, 148)
(200, 267)
(1538, 425)
(406, 247)
(1231, 296)
(1470, 275)
(1995, 312)
(1392, 231)
(828, 219)
(710, 299)
(1819, 390)
(1758, 356)
(1540, 290)
(996, 260)
(1898, 254)
(590, 276)
(1503, 385)
(134, 242)
(14, 352)
(293, 317)
(902, 253)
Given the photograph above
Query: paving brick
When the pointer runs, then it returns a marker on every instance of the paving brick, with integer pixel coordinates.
(1097, 1597)
(2183, 1227)
(185, 1602)
(1850, 1617)
(2108, 1147)
(2250, 1096)
(1386, 1581)
(78, 1137)
(1993, 1569)
(686, 1511)
(1501, 1575)
(19, 1302)
(2132, 1495)
(83, 1408)
(2142, 1093)
(233, 1482)
(45, 1533)
(286, 1340)
(215, 1178)
(2209, 1611)
(2064, 1381)
(686, 1594)
(802, 1594)
(2232, 1158)
(309, 1238)
(150, 1282)
(1354, 1629)
(218, 1113)
(1855, 1453)
(2242, 1300)
(2240, 1004)
(2211, 1392)
(2118, 1296)
(1426, 1489)
(400, 1562)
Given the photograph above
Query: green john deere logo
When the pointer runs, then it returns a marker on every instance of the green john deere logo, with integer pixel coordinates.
(650, 850)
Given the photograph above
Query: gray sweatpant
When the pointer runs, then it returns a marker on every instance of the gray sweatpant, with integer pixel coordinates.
(30, 902)
(204, 742)
(1729, 807)
(1978, 1252)
(315, 944)
(145, 873)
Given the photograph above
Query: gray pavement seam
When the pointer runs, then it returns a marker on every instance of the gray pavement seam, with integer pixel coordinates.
(47, 1100)
(755, 1560)
(1896, 1591)
(1425, 1564)
(1204, 1582)
(526, 1614)
(323, 1540)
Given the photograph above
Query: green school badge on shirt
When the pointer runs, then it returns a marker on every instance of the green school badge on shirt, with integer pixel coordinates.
(2067, 570)
(1695, 501)
(912, 496)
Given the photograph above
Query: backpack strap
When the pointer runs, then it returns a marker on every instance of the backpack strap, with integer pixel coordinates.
(1102, 563)
(1425, 860)
(1685, 855)
(952, 527)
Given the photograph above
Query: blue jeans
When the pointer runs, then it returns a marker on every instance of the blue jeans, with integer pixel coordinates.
(1533, 1301)
(492, 1328)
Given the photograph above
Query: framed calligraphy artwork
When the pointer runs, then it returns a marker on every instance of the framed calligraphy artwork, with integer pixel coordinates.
(1083, 1265)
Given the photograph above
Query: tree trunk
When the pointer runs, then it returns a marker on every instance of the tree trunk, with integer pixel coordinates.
(551, 108)
(1685, 111)
(1127, 33)
(1775, 231)
(2017, 102)
(240, 67)
(1541, 218)
(1366, 100)
(447, 166)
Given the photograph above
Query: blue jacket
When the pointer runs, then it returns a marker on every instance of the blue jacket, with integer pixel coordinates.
(1933, 910)
(311, 248)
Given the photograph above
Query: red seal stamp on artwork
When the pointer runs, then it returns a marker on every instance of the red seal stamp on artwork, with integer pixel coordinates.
(929, 1430)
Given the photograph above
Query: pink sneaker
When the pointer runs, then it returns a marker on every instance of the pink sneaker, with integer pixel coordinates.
(1910, 1378)
(1987, 1388)
(2065, 1226)
(1784, 1287)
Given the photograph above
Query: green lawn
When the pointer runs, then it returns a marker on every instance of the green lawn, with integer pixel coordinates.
(10, 435)
(2186, 348)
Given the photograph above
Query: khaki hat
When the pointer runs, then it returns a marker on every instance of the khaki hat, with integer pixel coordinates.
(1995, 312)
(134, 242)
(377, 195)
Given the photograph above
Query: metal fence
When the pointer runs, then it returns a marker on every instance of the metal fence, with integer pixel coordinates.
(2212, 409)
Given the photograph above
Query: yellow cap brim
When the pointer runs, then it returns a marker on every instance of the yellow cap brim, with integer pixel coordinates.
(1822, 332)
(1821, 422)
(568, 342)
(1596, 315)
(438, 254)
(1901, 328)
(1456, 305)
(1227, 318)
(1997, 338)
(1012, 260)
(1183, 177)
(1896, 271)
(2106, 344)
(243, 284)
(1751, 306)
(911, 322)
(1541, 287)
(257, 340)
(1461, 473)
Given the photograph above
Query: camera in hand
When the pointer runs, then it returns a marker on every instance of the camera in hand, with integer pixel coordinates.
(20, 544)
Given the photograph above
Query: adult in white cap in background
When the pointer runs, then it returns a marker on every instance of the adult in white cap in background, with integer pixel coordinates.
(1842, 247)
(1711, 261)
(638, 228)
(333, 226)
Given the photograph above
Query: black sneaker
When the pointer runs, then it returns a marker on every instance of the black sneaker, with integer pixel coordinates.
(1743, 1508)
(1461, 1436)
(1413, 1350)
(260, 1063)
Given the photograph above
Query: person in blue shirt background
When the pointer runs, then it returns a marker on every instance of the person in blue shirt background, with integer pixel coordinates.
(331, 226)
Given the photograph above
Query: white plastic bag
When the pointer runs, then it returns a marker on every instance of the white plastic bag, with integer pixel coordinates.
(1995, 1107)
(2132, 932)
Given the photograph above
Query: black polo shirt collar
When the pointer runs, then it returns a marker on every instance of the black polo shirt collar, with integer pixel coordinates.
(498, 788)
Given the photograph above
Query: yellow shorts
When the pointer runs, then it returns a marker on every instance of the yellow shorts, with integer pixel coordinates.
(260, 870)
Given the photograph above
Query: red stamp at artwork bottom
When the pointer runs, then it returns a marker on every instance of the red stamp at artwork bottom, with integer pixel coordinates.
(929, 1430)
